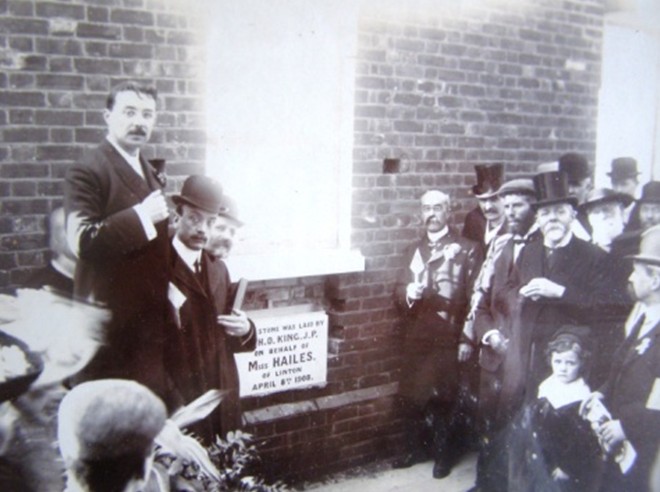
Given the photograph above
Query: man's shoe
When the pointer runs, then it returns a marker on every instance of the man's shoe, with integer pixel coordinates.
(405, 461)
(441, 468)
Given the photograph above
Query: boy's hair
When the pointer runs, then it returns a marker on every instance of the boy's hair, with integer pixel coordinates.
(563, 342)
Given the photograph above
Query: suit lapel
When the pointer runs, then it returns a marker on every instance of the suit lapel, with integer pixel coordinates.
(125, 172)
(641, 345)
(183, 276)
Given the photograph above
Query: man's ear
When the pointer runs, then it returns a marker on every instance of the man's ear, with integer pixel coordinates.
(106, 115)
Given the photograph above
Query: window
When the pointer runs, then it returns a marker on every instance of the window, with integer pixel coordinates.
(280, 122)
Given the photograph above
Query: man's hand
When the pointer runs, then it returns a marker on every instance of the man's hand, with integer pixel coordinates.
(589, 402)
(498, 343)
(542, 287)
(155, 207)
(612, 433)
(235, 324)
(464, 351)
(414, 291)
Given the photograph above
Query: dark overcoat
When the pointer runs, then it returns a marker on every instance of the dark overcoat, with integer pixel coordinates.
(433, 324)
(580, 268)
(200, 355)
(118, 265)
(632, 394)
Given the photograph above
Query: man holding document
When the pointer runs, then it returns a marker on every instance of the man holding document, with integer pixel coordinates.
(625, 412)
(205, 330)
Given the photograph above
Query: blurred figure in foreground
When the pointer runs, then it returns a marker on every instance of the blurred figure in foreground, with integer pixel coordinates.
(106, 430)
(58, 274)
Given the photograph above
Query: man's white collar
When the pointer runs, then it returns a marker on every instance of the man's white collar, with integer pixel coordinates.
(189, 256)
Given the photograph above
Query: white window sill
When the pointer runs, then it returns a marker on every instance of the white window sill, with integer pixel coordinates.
(294, 264)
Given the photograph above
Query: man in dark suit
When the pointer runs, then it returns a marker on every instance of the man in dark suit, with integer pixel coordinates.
(432, 293)
(486, 221)
(631, 435)
(624, 179)
(490, 328)
(117, 225)
(557, 281)
(580, 182)
(205, 331)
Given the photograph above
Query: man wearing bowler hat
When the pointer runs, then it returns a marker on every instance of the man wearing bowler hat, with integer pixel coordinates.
(649, 205)
(556, 282)
(486, 221)
(204, 331)
(222, 236)
(631, 395)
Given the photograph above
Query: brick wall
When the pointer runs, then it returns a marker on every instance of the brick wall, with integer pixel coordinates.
(439, 88)
(59, 59)
(514, 83)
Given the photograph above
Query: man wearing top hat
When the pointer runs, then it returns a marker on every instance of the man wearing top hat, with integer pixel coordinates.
(557, 281)
(580, 182)
(624, 179)
(485, 222)
(204, 331)
(631, 395)
(116, 219)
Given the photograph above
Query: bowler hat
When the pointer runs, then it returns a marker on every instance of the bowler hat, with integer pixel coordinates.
(623, 168)
(598, 196)
(575, 166)
(489, 179)
(649, 247)
(519, 186)
(201, 192)
(229, 209)
(552, 188)
(650, 192)
(108, 418)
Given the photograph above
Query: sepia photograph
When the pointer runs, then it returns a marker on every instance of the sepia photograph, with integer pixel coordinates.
(330, 245)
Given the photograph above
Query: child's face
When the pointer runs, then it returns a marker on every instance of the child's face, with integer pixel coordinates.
(565, 366)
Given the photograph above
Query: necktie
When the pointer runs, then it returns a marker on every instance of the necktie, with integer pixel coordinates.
(198, 271)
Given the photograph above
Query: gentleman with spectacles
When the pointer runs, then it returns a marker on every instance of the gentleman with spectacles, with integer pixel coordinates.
(205, 331)
(432, 293)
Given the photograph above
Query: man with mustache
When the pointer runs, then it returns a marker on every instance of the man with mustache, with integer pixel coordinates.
(432, 292)
(116, 217)
(630, 435)
(204, 332)
(221, 240)
(486, 221)
(558, 281)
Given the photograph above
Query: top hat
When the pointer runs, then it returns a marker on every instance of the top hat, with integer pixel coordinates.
(552, 188)
(230, 210)
(202, 192)
(623, 168)
(650, 192)
(598, 196)
(649, 247)
(575, 166)
(519, 186)
(107, 418)
(489, 179)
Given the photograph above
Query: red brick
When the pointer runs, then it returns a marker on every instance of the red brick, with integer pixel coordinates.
(139, 17)
(48, 9)
(100, 31)
(95, 66)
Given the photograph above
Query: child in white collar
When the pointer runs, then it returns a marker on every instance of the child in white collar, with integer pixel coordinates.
(554, 448)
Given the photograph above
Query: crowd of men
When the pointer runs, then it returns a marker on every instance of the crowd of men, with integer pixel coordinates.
(540, 256)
